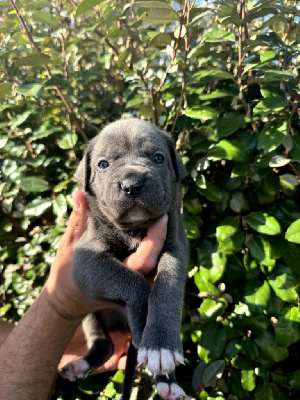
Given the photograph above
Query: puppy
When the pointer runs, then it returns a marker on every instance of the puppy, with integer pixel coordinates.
(130, 174)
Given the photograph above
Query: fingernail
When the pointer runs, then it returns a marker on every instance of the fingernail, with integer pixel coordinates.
(76, 201)
(164, 219)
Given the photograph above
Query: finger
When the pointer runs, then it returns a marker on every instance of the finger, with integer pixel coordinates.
(77, 220)
(146, 256)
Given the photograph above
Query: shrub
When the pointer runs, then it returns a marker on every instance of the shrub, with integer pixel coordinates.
(222, 78)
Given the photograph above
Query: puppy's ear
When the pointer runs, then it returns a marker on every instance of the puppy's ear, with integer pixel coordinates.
(177, 163)
(83, 173)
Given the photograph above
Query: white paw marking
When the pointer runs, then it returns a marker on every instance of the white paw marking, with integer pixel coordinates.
(170, 392)
(75, 370)
(159, 362)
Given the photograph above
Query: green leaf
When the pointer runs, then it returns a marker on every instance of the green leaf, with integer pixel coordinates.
(46, 18)
(44, 130)
(277, 75)
(160, 16)
(210, 309)
(284, 283)
(34, 184)
(227, 228)
(260, 249)
(248, 379)
(287, 329)
(21, 118)
(212, 342)
(201, 112)
(60, 205)
(263, 223)
(4, 309)
(227, 150)
(216, 94)
(53, 82)
(118, 377)
(295, 380)
(5, 88)
(8, 167)
(191, 227)
(33, 61)
(161, 40)
(110, 391)
(212, 372)
(152, 4)
(293, 232)
(68, 141)
(272, 136)
(37, 207)
(33, 5)
(61, 185)
(259, 300)
(197, 381)
(232, 244)
(217, 35)
(229, 124)
(85, 6)
(239, 202)
(278, 161)
(204, 285)
(249, 348)
(289, 183)
(30, 89)
(269, 391)
(270, 105)
(268, 347)
(211, 192)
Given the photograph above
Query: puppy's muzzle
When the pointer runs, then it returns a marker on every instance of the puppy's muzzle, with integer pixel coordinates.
(132, 186)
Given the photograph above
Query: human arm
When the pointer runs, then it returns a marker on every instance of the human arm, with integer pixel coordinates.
(31, 352)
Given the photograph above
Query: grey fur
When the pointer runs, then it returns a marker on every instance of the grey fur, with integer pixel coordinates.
(124, 199)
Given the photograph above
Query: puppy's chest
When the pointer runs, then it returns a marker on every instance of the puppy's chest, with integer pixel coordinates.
(124, 245)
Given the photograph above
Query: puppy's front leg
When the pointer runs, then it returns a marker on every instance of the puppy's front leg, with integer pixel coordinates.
(161, 347)
(102, 277)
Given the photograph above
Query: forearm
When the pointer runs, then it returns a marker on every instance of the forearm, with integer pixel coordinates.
(31, 353)
(5, 330)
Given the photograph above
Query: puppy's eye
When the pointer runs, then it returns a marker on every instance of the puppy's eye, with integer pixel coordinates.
(103, 164)
(159, 158)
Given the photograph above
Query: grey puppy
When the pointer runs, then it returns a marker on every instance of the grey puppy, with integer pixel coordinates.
(130, 174)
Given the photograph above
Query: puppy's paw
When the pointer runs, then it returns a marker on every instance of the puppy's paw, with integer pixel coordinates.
(78, 369)
(170, 391)
(159, 362)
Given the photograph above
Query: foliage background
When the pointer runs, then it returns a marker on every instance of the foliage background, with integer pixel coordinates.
(223, 78)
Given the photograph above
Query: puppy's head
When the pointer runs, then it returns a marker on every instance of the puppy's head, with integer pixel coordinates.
(132, 171)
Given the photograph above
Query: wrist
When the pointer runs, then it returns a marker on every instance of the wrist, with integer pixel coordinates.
(64, 305)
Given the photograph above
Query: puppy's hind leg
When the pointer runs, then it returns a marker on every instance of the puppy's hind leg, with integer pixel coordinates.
(168, 388)
(100, 349)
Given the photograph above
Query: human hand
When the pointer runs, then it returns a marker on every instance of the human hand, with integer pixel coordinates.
(75, 303)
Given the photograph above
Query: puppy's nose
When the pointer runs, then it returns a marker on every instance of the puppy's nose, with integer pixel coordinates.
(131, 186)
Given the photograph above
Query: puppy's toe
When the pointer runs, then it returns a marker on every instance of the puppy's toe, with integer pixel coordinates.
(159, 362)
(78, 369)
(170, 392)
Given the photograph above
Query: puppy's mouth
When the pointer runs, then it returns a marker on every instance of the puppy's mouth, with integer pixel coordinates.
(134, 215)
(136, 218)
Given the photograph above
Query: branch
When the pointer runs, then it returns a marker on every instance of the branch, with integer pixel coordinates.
(187, 8)
(38, 50)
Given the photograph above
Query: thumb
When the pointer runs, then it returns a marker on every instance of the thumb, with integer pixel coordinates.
(77, 220)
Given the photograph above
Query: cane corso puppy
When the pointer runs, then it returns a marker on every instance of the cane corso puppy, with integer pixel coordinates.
(130, 174)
